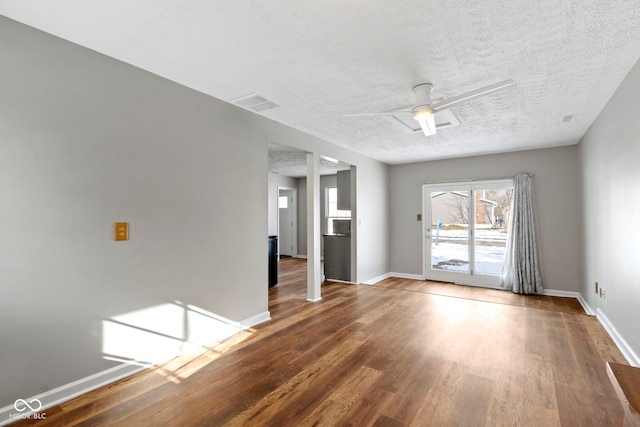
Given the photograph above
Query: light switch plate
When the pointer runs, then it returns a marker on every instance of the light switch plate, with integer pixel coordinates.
(122, 231)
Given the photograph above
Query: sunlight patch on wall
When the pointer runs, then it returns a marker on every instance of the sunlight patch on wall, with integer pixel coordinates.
(183, 338)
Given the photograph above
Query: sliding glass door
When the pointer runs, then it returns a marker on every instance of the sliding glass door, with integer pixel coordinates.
(465, 231)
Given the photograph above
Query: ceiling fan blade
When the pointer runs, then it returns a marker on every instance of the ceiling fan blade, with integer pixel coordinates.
(406, 109)
(484, 91)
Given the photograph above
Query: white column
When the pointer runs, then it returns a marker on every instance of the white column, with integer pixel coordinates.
(313, 228)
(354, 226)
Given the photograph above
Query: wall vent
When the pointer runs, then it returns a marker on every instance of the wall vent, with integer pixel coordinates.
(254, 102)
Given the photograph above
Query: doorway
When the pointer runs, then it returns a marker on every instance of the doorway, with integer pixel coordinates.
(465, 231)
(292, 168)
(287, 222)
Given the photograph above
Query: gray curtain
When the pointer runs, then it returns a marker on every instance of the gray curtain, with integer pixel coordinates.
(521, 271)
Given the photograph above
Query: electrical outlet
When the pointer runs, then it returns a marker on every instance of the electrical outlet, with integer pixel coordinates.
(602, 293)
(597, 290)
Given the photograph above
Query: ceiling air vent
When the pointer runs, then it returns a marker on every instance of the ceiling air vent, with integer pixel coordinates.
(254, 102)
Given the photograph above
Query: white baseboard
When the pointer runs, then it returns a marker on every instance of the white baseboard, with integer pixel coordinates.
(256, 320)
(69, 391)
(377, 279)
(56, 396)
(346, 282)
(623, 346)
(570, 294)
(303, 256)
(626, 350)
(555, 293)
(586, 306)
(380, 278)
(406, 276)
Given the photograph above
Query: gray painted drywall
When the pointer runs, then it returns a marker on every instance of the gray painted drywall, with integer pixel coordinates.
(556, 193)
(275, 181)
(373, 221)
(325, 181)
(371, 227)
(372, 196)
(302, 216)
(87, 141)
(609, 155)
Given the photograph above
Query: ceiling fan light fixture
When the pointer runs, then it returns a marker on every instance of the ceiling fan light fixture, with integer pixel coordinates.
(424, 109)
(424, 116)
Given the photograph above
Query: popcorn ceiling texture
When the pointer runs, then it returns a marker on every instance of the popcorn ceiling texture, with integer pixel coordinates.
(293, 163)
(320, 60)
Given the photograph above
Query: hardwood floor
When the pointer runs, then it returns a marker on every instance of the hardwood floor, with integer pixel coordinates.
(568, 305)
(398, 353)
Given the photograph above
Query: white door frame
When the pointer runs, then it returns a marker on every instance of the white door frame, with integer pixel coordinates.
(469, 278)
(294, 219)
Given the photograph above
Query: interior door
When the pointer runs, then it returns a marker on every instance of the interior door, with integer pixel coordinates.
(465, 231)
(285, 222)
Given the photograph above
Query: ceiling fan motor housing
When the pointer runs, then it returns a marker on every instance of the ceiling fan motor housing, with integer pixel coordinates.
(423, 96)
(422, 112)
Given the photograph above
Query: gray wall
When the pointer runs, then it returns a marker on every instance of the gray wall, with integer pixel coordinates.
(373, 219)
(325, 181)
(372, 196)
(275, 181)
(610, 155)
(556, 192)
(87, 141)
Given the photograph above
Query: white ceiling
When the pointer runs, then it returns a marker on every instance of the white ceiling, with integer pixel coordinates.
(290, 162)
(320, 60)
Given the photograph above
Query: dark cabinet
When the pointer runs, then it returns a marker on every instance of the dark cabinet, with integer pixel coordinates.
(337, 257)
(273, 261)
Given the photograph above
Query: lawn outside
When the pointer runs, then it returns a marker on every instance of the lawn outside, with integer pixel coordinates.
(451, 250)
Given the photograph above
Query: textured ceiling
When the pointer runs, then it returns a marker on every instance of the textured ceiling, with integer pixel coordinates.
(293, 163)
(321, 60)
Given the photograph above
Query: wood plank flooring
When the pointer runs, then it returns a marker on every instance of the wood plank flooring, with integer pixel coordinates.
(399, 353)
(568, 305)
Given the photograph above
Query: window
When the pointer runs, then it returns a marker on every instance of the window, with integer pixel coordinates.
(332, 211)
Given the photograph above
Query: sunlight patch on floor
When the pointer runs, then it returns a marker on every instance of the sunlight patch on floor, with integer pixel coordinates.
(178, 339)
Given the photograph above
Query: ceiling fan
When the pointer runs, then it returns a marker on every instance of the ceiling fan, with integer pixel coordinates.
(423, 110)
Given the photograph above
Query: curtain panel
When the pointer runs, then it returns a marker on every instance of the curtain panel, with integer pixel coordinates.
(521, 272)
